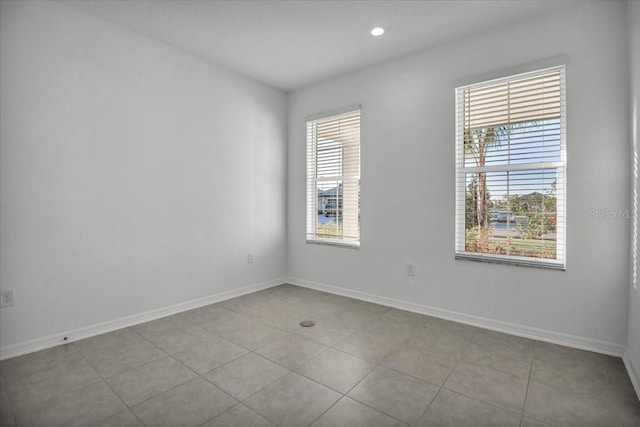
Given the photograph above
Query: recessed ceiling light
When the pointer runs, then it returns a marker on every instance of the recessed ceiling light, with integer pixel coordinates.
(377, 31)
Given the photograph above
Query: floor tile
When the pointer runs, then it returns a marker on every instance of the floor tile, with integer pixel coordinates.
(565, 408)
(291, 351)
(624, 412)
(570, 408)
(372, 346)
(238, 416)
(200, 314)
(348, 412)
(210, 354)
(6, 415)
(46, 384)
(246, 375)
(292, 401)
(356, 315)
(389, 363)
(312, 307)
(161, 326)
(506, 359)
(619, 381)
(45, 360)
(548, 351)
(451, 409)
(391, 327)
(443, 341)
(413, 320)
(464, 331)
(80, 407)
(255, 335)
(578, 375)
(113, 361)
(486, 384)
(494, 338)
(288, 320)
(6, 420)
(224, 321)
(174, 341)
(337, 370)
(144, 382)
(530, 422)
(246, 304)
(363, 306)
(416, 358)
(189, 405)
(386, 325)
(111, 341)
(121, 419)
(326, 331)
(396, 394)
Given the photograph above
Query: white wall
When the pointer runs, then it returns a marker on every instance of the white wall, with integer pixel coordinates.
(408, 188)
(632, 357)
(133, 176)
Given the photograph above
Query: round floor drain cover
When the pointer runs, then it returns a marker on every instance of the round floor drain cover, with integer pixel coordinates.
(307, 323)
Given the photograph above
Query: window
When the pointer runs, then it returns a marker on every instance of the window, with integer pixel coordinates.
(333, 178)
(510, 169)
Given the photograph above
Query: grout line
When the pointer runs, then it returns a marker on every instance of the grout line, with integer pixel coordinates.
(376, 409)
(429, 405)
(326, 410)
(376, 317)
(8, 401)
(440, 387)
(201, 376)
(213, 418)
(110, 388)
(515, 412)
(526, 392)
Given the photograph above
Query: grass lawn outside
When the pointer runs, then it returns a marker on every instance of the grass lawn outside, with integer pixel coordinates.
(509, 245)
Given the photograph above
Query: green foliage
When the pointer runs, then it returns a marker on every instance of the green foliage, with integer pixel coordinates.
(482, 240)
(538, 225)
(540, 211)
(536, 212)
(471, 205)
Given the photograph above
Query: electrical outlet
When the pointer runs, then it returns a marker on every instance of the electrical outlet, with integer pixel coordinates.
(6, 298)
(411, 270)
(249, 258)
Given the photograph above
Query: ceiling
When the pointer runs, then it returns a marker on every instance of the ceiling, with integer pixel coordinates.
(292, 44)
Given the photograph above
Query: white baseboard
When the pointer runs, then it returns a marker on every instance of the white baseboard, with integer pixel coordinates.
(568, 340)
(19, 349)
(505, 327)
(633, 370)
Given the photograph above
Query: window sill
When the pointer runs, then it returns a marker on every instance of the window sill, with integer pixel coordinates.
(511, 260)
(335, 242)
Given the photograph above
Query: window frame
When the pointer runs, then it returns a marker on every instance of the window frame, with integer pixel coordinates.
(312, 179)
(461, 173)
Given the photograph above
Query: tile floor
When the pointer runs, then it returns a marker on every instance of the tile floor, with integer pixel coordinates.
(246, 362)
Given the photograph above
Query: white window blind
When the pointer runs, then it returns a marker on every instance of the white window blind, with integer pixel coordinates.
(510, 169)
(333, 178)
(635, 213)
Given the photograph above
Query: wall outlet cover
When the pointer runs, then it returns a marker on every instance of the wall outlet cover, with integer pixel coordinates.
(6, 298)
